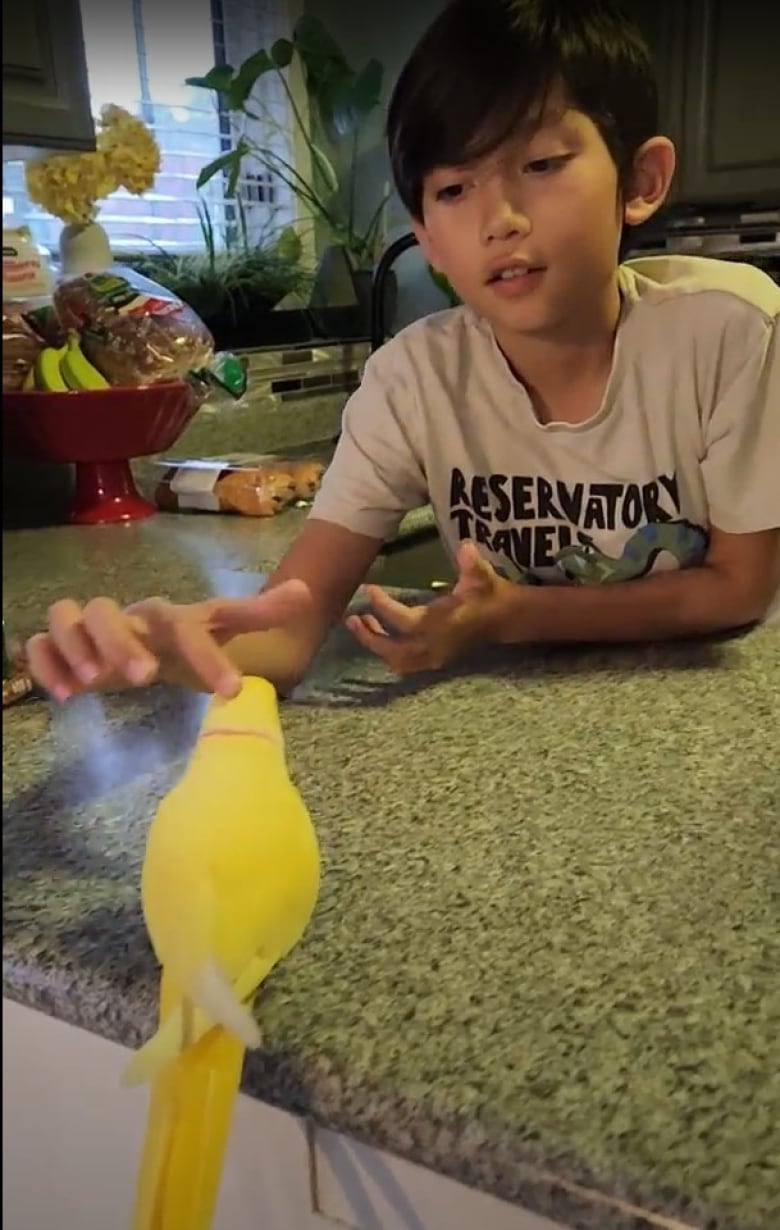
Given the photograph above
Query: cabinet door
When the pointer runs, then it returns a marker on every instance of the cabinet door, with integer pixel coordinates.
(663, 28)
(732, 103)
(45, 91)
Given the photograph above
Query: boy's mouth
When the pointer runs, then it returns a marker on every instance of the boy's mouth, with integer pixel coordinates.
(512, 270)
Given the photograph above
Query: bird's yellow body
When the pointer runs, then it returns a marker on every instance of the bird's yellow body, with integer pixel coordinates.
(229, 883)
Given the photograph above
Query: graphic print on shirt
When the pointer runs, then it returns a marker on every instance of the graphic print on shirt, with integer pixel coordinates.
(585, 532)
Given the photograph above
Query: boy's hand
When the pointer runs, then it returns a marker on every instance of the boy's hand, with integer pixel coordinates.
(88, 647)
(427, 638)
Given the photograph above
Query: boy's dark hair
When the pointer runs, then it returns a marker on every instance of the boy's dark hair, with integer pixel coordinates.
(485, 67)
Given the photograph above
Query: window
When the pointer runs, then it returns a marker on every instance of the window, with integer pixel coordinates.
(138, 55)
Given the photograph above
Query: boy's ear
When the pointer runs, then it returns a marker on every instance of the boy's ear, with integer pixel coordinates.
(427, 248)
(650, 181)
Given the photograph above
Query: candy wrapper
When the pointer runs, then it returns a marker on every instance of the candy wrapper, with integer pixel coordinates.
(225, 371)
(254, 486)
(17, 681)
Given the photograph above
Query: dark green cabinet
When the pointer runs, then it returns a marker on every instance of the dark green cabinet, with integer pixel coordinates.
(663, 27)
(718, 66)
(45, 92)
(731, 146)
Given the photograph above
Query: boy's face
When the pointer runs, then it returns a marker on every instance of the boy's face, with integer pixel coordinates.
(529, 236)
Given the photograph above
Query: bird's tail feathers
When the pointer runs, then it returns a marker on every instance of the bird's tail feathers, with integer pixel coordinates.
(188, 1125)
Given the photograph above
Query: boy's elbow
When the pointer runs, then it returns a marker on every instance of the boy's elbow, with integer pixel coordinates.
(744, 601)
(286, 683)
(747, 570)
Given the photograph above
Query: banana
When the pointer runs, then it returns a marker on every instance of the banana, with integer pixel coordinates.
(29, 380)
(48, 376)
(75, 368)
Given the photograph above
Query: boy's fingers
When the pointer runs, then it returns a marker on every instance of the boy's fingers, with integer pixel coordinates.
(378, 643)
(118, 647)
(48, 668)
(195, 645)
(373, 624)
(474, 572)
(403, 657)
(269, 609)
(399, 617)
(76, 652)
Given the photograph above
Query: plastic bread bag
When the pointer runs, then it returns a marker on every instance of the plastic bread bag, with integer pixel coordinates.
(253, 486)
(132, 330)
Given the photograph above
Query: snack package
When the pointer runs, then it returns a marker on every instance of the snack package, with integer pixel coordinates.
(132, 330)
(254, 486)
(26, 273)
(21, 347)
(225, 371)
(27, 290)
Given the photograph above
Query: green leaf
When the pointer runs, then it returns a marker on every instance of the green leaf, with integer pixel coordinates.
(229, 161)
(325, 167)
(329, 77)
(212, 168)
(289, 246)
(235, 171)
(444, 286)
(316, 46)
(217, 78)
(247, 75)
(367, 88)
(282, 52)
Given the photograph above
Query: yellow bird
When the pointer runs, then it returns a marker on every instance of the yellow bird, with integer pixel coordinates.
(229, 884)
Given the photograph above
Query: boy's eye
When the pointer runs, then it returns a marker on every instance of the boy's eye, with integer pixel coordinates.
(450, 192)
(539, 166)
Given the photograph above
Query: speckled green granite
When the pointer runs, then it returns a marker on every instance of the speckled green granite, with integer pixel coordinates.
(545, 959)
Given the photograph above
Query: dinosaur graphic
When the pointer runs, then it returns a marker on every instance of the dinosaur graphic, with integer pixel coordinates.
(585, 564)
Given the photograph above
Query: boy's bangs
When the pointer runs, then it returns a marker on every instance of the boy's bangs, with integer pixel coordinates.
(505, 116)
(477, 119)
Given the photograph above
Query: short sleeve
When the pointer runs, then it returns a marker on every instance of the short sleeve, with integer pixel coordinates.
(741, 463)
(377, 474)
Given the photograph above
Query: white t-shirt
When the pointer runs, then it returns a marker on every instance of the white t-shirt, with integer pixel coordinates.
(687, 435)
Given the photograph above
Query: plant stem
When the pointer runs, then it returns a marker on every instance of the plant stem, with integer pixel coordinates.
(297, 184)
(313, 151)
(353, 178)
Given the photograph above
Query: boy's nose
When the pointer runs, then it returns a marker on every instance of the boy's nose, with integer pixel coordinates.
(505, 221)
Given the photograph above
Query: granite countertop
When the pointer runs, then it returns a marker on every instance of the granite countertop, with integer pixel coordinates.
(545, 955)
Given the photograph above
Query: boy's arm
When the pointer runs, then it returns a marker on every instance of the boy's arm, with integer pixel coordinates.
(332, 561)
(375, 477)
(732, 588)
(740, 469)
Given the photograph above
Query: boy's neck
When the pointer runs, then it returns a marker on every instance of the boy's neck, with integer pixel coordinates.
(566, 374)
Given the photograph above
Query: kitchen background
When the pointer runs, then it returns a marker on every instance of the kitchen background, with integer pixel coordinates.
(281, 270)
(585, 841)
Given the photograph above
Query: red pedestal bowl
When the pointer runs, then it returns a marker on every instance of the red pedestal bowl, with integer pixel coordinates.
(98, 431)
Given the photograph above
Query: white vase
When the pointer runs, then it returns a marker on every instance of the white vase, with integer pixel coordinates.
(84, 248)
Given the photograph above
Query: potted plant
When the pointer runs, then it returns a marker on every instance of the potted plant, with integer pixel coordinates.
(340, 101)
(235, 287)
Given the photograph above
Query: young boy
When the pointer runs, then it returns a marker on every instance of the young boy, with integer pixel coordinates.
(600, 443)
